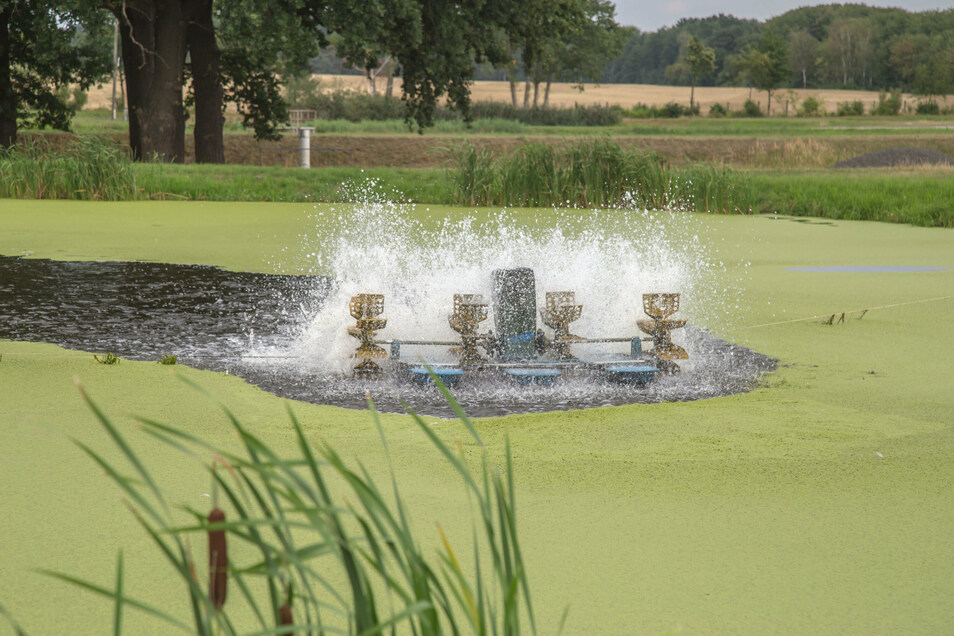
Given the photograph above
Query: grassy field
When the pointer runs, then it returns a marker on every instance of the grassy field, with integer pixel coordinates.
(819, 503)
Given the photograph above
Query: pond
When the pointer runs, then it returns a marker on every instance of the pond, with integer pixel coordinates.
(256, 326)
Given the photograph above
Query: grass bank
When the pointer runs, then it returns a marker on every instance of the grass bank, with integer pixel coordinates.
(587, 172)
(916, 196)
(819, 503)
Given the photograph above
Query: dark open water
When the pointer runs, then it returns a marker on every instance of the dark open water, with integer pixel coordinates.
(211, 319)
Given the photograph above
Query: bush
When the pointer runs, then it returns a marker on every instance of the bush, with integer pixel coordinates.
(641, 111)
(352, 105)
(80, 97)
(851, 108)
(928, 108)
(576, 115)
(751, 109)
(671, 110)
(811, 107)
(888, 104)
(718, 110)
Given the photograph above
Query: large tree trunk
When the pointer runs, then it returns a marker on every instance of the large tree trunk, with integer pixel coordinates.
(546, 91)
(513, 89)
(207, 86)
(8, 101)
(526, 92)
(153, 38)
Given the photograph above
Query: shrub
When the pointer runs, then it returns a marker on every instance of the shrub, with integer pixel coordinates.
(856, 107)
(929, 107)
(576, 115)
(751, 109)
(80, 97)
(811, 107)
(354, 105)
(670, 110)
(717, 110)
(888, 104)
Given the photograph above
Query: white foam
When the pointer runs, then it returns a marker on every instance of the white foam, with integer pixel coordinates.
(608, 257)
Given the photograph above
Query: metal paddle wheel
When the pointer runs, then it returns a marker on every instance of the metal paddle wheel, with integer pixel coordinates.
(520, 351)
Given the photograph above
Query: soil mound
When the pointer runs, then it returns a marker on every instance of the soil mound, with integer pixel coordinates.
(898, 157)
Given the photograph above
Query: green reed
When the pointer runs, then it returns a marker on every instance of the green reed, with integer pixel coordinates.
(918, 196)
(89, 169)
(591, 173)
(308, 531)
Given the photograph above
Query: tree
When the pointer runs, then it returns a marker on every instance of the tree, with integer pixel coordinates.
(153, 38)
(935, 77)
(536, 31)
(241, 54)
(42, 48)
(765, 64)
(699, 59)
(584, 54)
(907, 52)
(803, 53)
(264, 41)
(850, 50)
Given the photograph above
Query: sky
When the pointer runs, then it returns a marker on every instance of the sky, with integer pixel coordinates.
(651, 16)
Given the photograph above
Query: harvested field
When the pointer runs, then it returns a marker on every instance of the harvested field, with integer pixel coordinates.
(898, 158)
(625, 95)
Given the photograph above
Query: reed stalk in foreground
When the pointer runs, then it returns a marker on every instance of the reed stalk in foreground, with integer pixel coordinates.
(308, 534)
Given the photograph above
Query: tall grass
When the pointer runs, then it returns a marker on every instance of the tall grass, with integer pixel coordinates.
(89, 169)
(314, 520)
(918, 196)
(591, 173)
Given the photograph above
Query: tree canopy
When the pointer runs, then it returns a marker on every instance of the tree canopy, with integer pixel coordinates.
(766, 64)
(699, 59)
(45, 46)
(831, 45)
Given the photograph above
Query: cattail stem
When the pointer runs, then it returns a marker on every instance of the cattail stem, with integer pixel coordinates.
(218, 561)
(285, 618)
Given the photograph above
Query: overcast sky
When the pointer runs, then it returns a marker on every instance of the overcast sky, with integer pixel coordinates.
(650, 16)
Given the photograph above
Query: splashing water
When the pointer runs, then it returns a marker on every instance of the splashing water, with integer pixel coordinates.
(419, 260)
(220, 320)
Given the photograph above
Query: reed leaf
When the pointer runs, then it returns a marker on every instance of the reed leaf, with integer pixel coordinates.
(302, 532)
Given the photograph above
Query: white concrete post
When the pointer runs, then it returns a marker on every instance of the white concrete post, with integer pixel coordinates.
(304, 147)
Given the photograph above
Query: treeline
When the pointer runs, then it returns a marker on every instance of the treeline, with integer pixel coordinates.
(186, 59)
(826, 46)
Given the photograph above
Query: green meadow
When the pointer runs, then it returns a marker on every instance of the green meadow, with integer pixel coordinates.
(822, 502)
